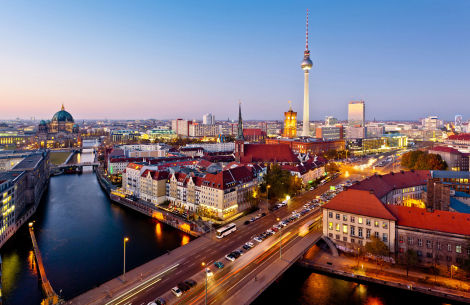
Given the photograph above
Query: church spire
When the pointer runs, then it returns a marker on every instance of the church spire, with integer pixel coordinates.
(240, 123)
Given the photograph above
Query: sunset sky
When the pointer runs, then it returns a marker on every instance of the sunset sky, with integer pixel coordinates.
(167, 59)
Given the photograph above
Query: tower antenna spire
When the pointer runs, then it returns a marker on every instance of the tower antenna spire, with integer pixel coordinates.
(306, 34)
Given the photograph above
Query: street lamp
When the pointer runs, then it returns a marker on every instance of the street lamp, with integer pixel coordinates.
(280, 240)
(205, 272)
(126, 239)
(452, 269)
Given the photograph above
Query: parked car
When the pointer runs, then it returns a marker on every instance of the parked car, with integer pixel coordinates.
(219, 265)
(250, 244)
(191, 283)
(247, 222)
(160, 301)
(183, 287)
(176, 291)
(230, 257)
(258, 239)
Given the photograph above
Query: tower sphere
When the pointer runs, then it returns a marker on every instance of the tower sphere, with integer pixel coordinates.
(306, 64)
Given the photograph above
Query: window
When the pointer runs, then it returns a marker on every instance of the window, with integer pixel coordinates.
(428, 254)
(345, 218)
(419, 253)
(337, 227)
(385, 237)
(330, 214)
(458, 248)
(449, 247)
(428, 244)
(410, 240)
(330, 235)
(420, 242)
(352, 240)
(376, 224)
(353, 230)
(359, 220)
(330, 226)
(368, 233)
(359, 232)
(338, 216)
(337, 236)
(385, 225)
(401, 239)
(353, 219)
(376, 234)
(368, 222)
(345, 229)
(345, 239)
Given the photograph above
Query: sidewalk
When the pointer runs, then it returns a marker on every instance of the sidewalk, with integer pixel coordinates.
(390, 275)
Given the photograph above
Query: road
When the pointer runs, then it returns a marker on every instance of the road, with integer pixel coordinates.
(190, 267)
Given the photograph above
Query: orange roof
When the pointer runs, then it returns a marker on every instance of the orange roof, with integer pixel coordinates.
(443, 221)
(135, 166)
(462, 137)
(359, 202)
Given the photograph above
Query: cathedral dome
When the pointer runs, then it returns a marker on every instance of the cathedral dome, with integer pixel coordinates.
(63, 116)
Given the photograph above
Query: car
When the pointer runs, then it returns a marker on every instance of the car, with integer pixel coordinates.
(252, 219)
(230, 257)
(274, 229)
(250, 244)
(219, 265)
(263, 214)
(160, 301)
(152, 303)
(240, 251)
(235, 254)
(258, 239)
(209, 272)
(269, 231)
(191, 283)
(183, 287)
(246, 247)
(247, 222)
(176, 291)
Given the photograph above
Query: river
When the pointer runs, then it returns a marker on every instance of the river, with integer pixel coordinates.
(80, 234)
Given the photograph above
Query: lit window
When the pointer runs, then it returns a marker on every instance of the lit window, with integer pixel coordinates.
(337, 227)
(359, 220)
(345, 229)
(330, 226)
(376, 224)
(458, 248)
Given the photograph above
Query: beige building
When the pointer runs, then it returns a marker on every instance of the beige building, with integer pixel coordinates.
(153, 186)
(354, 216)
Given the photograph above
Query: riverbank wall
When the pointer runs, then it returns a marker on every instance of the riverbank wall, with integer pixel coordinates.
(149, 209)
(335, 270)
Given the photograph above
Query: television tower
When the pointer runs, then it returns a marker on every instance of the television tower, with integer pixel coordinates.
(306, 66)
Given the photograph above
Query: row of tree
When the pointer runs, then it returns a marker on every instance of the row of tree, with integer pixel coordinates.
(418, 159)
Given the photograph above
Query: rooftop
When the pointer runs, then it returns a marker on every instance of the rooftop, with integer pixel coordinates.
(442, 221)
(446, 149)
(450, 174)
(461, 137)
(359, 202)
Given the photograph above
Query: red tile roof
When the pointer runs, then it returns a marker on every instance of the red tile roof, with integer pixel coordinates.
(228, 178)
(383, 184)
(442, 221)
(135, 166)
(462, 137)
(445, 149)
(359, 202)
(268, 153)
(253, 132)
(156, 175)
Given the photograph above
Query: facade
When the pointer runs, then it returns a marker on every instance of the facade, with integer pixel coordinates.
(145, 150)
(290, 123)
(460, 142)
(375, 131)
(330, 133)
(354, 216)
(61, 131)
(356, 113)
(355, 132)
(208, 119)
(214, 147)
(456, 161)
(458, 181)
(309, 146)
(181, 127)
(124, 135)
(431, 123)
(153, 186)
(201, 130)
(330, 121)
(254, 135)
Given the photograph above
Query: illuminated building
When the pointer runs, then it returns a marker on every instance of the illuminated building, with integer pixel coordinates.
(290, 123)
(308, 145)
(356, 113)
(306, 65)
(330, 132)
(61, 131)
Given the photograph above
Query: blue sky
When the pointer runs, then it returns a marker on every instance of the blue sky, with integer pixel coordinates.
(155, 59)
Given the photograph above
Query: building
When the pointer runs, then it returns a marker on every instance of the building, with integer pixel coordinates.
(375, 130)
(196, 130)
(254, 135)
(355, 132)
(215, 147)
(310, 146)
(356, 113)
(458, 122)
(458, 181)
(352, 217)
(290, 123)
(330, 121)
(437, 195)
(124, 136)
(431, 123)
(153, 186)
(61, 131)
(145, 150)
(460, 142)
(208, 119)
(330, 133)
(455, 160)
(306, 65)
(437, 237)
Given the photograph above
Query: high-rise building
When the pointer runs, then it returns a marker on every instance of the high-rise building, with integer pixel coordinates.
(330, 121)
(356, 113)
(458, 122)
(290, 123)
(306, 66)
(208, 119)
(431, 123)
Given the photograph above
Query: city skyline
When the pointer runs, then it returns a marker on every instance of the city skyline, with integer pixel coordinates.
(119, 61)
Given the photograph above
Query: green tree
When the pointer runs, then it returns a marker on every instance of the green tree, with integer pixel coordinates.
(280, 182)
(410, 258)
(377, 248)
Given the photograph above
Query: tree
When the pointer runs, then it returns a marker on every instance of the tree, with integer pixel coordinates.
(377, 248)
(331, 167)
(422, 160)
(410, 258)
(280, 182)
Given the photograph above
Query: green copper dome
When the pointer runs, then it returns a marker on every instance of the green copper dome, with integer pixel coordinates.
(63, 116)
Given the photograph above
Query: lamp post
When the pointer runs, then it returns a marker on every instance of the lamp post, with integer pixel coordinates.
(205, 272)
(267, 195)
(280, 240)
(452, 269)
(126, 239)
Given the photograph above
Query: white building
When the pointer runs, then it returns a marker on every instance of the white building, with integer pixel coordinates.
(208, 119)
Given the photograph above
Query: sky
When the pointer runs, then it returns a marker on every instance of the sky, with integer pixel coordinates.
(180, 59)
